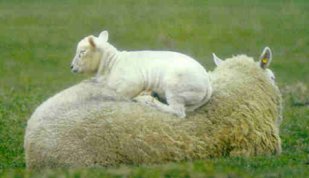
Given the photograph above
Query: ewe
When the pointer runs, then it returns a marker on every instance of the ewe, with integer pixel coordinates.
(177, 79)
(95, 127)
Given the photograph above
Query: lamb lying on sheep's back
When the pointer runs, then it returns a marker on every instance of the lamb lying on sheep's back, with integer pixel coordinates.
(176, 78)
(99, 128)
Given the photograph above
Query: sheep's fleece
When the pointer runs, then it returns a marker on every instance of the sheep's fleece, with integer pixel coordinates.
(89, 125)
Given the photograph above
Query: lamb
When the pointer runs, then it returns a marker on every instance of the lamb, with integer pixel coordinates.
(176, 78)
(100, 128)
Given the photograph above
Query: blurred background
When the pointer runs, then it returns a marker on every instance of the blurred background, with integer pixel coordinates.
(38, 39)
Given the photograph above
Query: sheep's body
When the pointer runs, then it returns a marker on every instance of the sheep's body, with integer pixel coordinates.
(104, 130)
(177, 78)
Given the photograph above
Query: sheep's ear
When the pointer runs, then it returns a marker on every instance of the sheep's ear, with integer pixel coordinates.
(216, 59)
(103, 36)
(265, 58)
(92, 42)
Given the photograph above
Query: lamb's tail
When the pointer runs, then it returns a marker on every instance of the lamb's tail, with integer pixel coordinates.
(206, 98)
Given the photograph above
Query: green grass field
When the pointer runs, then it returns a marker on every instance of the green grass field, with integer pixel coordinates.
(38, 40)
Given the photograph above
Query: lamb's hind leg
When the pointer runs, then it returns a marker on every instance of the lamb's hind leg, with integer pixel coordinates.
(175, 105)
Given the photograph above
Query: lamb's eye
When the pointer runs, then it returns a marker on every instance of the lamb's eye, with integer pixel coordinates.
(82, 53)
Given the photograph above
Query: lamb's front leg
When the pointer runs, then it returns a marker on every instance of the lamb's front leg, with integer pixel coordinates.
(126, 89)
(175, 108)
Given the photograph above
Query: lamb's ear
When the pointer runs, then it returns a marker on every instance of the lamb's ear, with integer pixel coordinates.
(216, 59)
(92, 42)
(265, 58)
(103, 36)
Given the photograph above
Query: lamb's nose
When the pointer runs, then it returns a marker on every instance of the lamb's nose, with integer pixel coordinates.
(71, 66)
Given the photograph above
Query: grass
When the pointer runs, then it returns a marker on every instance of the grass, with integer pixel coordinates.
(37, 43)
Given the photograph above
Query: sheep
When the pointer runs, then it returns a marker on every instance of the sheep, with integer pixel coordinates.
(177, 79)
(100, 128)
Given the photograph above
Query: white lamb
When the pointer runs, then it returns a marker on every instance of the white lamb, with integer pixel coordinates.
(177, 79)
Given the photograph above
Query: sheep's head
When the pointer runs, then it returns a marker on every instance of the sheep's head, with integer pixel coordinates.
(254, 77)
(264, 63)
(89, 53)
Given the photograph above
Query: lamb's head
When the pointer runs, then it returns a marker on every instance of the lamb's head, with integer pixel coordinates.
(89, 53)
(264, 63)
